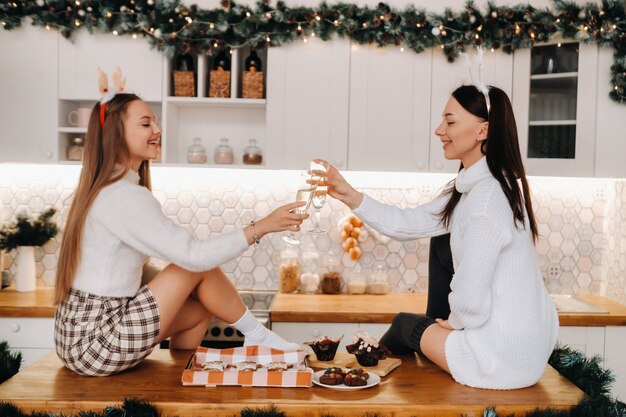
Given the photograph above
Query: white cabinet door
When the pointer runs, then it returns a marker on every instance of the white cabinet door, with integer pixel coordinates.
(497, 70)
(307, 332)
(615, 341)
(28, 78)
(78, 63)
(307, 103)
(34, 337)
(389, 109)
(582, 164)
(589, 340)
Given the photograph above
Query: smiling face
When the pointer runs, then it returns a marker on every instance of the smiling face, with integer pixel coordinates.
(142, 133)
(461, 133)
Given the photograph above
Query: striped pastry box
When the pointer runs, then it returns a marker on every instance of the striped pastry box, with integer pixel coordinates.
(298, 375)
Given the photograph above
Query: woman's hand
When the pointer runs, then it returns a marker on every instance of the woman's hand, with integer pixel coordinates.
(283, 218)
(444, 324)
(339, 188)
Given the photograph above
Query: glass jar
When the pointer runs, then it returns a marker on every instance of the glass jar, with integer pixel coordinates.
(331, 278)
(75, 150)
(288, 271)
(309, 277)
(223, 153)
(196, 152)
(379, 280)
(252, 154)
(357, 283)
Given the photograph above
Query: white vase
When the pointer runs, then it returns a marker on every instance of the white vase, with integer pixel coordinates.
(25, 274)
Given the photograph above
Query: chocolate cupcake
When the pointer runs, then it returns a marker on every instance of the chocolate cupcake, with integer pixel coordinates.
(368, 351)
(325, 348)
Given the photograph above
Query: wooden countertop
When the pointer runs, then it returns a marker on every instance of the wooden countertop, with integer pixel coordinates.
(344, 308)
(417, 388)
(320, 308)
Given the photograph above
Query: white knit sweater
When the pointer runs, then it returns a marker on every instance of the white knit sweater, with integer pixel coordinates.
(125, 226)
(505, 323)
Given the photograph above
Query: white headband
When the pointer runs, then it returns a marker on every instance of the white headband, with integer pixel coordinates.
(480, 82)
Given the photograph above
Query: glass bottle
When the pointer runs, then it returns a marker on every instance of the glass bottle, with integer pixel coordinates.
(222, 61)
(379, 280)
(75, 150)
(288, 271)
(252, 154)
(331, 278)
(309, 277)
(223, 153)
(357, 283)
(196, 153)
(253, 62)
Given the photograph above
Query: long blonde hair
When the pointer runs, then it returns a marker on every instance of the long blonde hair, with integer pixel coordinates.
(104, 147)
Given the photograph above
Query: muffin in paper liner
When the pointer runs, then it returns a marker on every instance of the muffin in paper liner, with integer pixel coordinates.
(324, 348)
(367, 350)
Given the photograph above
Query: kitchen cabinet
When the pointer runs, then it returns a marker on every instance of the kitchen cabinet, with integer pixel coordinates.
(307, 103)
(614, 342)
(28, 83)
(389, 109)
(555, 103)
(34, 337)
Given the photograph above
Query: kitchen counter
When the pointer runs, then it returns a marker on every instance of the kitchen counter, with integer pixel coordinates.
(344, 308)
(417, 388)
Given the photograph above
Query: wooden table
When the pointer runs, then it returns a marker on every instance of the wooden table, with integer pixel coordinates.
(417, 388)
(344, 308)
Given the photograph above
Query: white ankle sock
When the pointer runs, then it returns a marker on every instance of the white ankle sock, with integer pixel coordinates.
(257, 334)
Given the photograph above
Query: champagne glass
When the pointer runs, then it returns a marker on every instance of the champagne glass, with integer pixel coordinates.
(319, 196)
(305, 192)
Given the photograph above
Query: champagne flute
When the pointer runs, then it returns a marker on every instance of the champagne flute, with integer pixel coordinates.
(319, 196)
(305, 192)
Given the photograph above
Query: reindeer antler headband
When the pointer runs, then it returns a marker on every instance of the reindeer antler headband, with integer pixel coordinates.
(480, 82)
(103, 85)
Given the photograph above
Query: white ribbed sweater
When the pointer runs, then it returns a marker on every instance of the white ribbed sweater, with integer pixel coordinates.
(506, 324)
(125, 226)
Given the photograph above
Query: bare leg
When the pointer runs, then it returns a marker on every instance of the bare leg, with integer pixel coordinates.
(433, 345)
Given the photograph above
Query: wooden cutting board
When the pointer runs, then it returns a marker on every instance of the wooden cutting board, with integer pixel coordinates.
(346, 360)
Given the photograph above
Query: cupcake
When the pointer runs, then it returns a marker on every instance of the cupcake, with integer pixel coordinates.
(324, 347)
(368, 351)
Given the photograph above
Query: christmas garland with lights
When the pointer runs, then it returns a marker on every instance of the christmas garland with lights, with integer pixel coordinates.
(174, 28)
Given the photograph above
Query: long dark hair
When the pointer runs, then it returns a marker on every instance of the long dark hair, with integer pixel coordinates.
(104, 147)
(502, 150)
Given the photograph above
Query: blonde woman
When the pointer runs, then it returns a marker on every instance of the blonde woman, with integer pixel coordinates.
(106, 321)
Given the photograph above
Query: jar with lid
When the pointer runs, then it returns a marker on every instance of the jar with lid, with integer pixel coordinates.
(252, 154)
(357, 283)
(75, 150)
(223, 153)
(309, 277)
(196, 152)
(288, 271)
(379, 280)
(331, 278)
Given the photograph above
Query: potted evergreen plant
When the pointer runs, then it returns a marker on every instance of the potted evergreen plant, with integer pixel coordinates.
(24, 234)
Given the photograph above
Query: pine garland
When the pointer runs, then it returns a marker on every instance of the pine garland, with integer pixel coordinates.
(10, 362)
(26, 231)
(586, 373)
(175, 28)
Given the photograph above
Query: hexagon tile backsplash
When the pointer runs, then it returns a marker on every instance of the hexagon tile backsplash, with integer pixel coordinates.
(582, 222)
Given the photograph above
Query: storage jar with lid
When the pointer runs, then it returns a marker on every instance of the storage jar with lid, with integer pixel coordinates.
(309, 276)
(223, 153)
(357, 283)
(331, 278)
(379, 280)
(75, 150)
(196, 152)
(288, 271)
(252, 154)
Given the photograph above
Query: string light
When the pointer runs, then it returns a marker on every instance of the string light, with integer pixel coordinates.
(115, 32)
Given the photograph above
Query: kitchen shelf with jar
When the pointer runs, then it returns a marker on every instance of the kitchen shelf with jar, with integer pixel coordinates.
(212, 119)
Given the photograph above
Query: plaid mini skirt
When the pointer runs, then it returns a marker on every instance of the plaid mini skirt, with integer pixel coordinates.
(98, 336)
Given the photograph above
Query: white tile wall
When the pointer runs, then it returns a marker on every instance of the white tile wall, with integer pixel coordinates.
(582, 222)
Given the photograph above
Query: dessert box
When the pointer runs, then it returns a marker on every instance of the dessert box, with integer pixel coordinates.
(235, 360)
